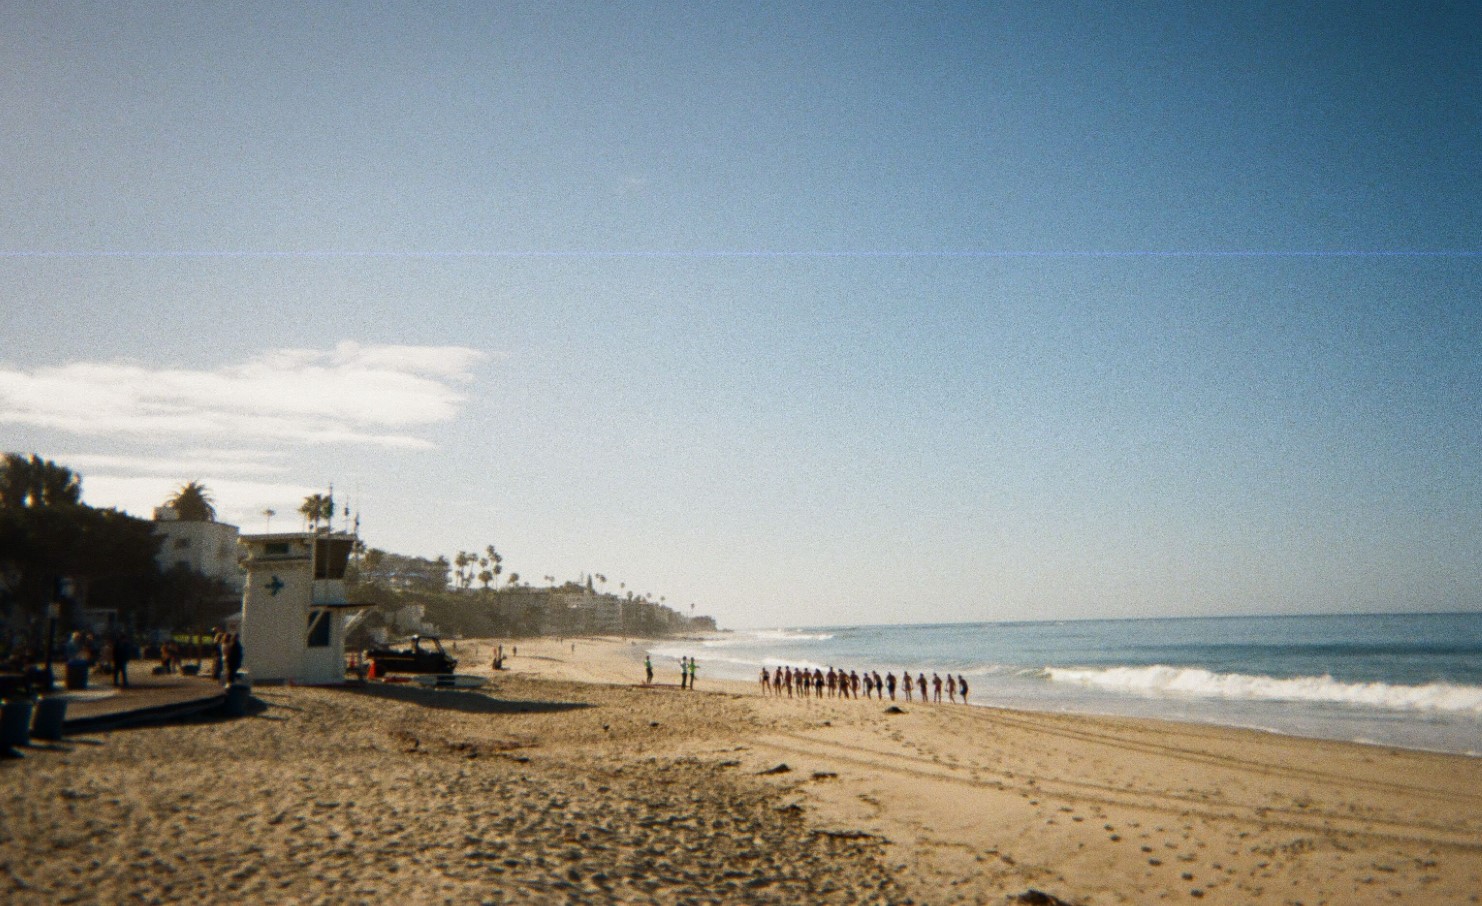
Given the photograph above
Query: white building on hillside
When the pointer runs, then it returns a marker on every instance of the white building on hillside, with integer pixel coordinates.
(209, 548)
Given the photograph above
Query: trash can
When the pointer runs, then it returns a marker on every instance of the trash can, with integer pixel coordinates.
(15, 722)
(40, 678)
(237, 695)
(77, 674)
(50, 716)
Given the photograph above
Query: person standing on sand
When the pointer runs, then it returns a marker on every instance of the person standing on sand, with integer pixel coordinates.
(694, 668)
(962, 687)
(936, 688)
(121, 654)
(921, 686)
(906, 684)
(890, 684)
(684, 672)
(648, 670)
(218, 652)
(233, 657)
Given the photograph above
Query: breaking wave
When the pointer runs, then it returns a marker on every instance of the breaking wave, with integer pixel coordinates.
(1161, 680)
(752, 637)
(788, 635)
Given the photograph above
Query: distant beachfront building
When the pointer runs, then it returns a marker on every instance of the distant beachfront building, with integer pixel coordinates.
(209, 548)
(409, 619)
(583, 610)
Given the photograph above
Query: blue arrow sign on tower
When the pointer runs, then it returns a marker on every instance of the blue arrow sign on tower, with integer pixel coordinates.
(275, 586)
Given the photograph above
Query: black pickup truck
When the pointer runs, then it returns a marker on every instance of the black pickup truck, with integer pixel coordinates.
(425, 656)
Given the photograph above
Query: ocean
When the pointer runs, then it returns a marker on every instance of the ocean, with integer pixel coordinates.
(1408, 680)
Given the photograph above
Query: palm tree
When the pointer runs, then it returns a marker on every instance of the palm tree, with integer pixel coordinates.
(59, 485)
(15, 481)
(193, 503)
(37, 482)
(317, 508)
(496, 559)
(464, 562)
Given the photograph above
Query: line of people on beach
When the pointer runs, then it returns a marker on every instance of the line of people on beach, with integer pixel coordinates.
(802, 682)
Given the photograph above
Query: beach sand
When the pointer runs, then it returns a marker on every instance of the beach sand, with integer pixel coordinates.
(566, 781)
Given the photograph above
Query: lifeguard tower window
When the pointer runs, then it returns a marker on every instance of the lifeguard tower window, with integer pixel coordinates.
(330, 557)
(318, 629)
(276, 548)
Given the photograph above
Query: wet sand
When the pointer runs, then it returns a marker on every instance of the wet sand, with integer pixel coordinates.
(567, 781)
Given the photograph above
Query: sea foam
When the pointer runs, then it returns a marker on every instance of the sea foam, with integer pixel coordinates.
(1159, 680)
(752, 638)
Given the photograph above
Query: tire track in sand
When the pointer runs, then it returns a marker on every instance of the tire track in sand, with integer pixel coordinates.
(1255, 816)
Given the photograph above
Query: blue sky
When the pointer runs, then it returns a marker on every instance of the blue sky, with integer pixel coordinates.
(803, 313)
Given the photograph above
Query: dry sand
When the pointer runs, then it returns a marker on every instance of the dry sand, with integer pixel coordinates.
(563, 782)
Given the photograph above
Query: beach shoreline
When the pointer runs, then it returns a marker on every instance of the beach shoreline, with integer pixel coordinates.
(1407, 680)
(568, 780)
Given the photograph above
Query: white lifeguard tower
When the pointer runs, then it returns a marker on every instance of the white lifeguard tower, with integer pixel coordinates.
(294, 606)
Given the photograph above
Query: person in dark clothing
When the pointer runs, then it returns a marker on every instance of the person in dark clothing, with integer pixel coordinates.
(233, 657)
(122, 651)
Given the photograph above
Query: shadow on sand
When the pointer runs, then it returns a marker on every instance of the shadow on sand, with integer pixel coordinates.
(468, 701)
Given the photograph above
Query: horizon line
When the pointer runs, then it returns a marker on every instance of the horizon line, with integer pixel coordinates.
(751, 253)
(1250, 615)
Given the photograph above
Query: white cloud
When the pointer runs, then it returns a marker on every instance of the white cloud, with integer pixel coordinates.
(240, 503)
(189, 463)
(353, 394)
